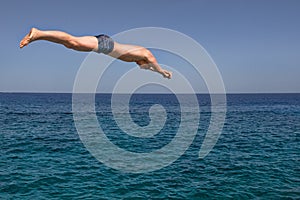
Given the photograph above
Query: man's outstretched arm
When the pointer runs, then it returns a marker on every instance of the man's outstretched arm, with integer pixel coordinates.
(140, 55)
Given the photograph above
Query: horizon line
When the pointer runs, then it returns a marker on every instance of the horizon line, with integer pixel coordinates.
(48, 92)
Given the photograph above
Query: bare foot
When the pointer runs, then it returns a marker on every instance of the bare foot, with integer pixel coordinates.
(30, 37)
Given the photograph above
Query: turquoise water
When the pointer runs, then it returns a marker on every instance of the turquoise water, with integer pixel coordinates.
(257, 155)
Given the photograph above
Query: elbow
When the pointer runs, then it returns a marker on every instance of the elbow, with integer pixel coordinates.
(149, 56)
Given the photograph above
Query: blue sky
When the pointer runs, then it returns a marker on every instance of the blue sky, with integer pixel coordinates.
(255, 43)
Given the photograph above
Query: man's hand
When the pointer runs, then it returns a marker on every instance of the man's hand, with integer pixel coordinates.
(156, 68)
(166, 74)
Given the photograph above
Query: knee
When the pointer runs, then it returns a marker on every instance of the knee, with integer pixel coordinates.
(71, 43)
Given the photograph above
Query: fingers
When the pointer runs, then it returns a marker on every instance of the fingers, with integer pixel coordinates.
(167, 74)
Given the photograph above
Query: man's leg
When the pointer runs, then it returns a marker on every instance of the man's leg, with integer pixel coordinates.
(85, 43)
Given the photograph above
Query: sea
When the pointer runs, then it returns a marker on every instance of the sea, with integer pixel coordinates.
(256, 156)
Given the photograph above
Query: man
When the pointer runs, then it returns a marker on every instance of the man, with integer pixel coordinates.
(101, 44)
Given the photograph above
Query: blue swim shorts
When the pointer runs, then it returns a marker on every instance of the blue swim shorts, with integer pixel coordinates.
(105, 44)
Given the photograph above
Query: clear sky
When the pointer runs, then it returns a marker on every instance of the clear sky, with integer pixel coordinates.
(255, 43)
